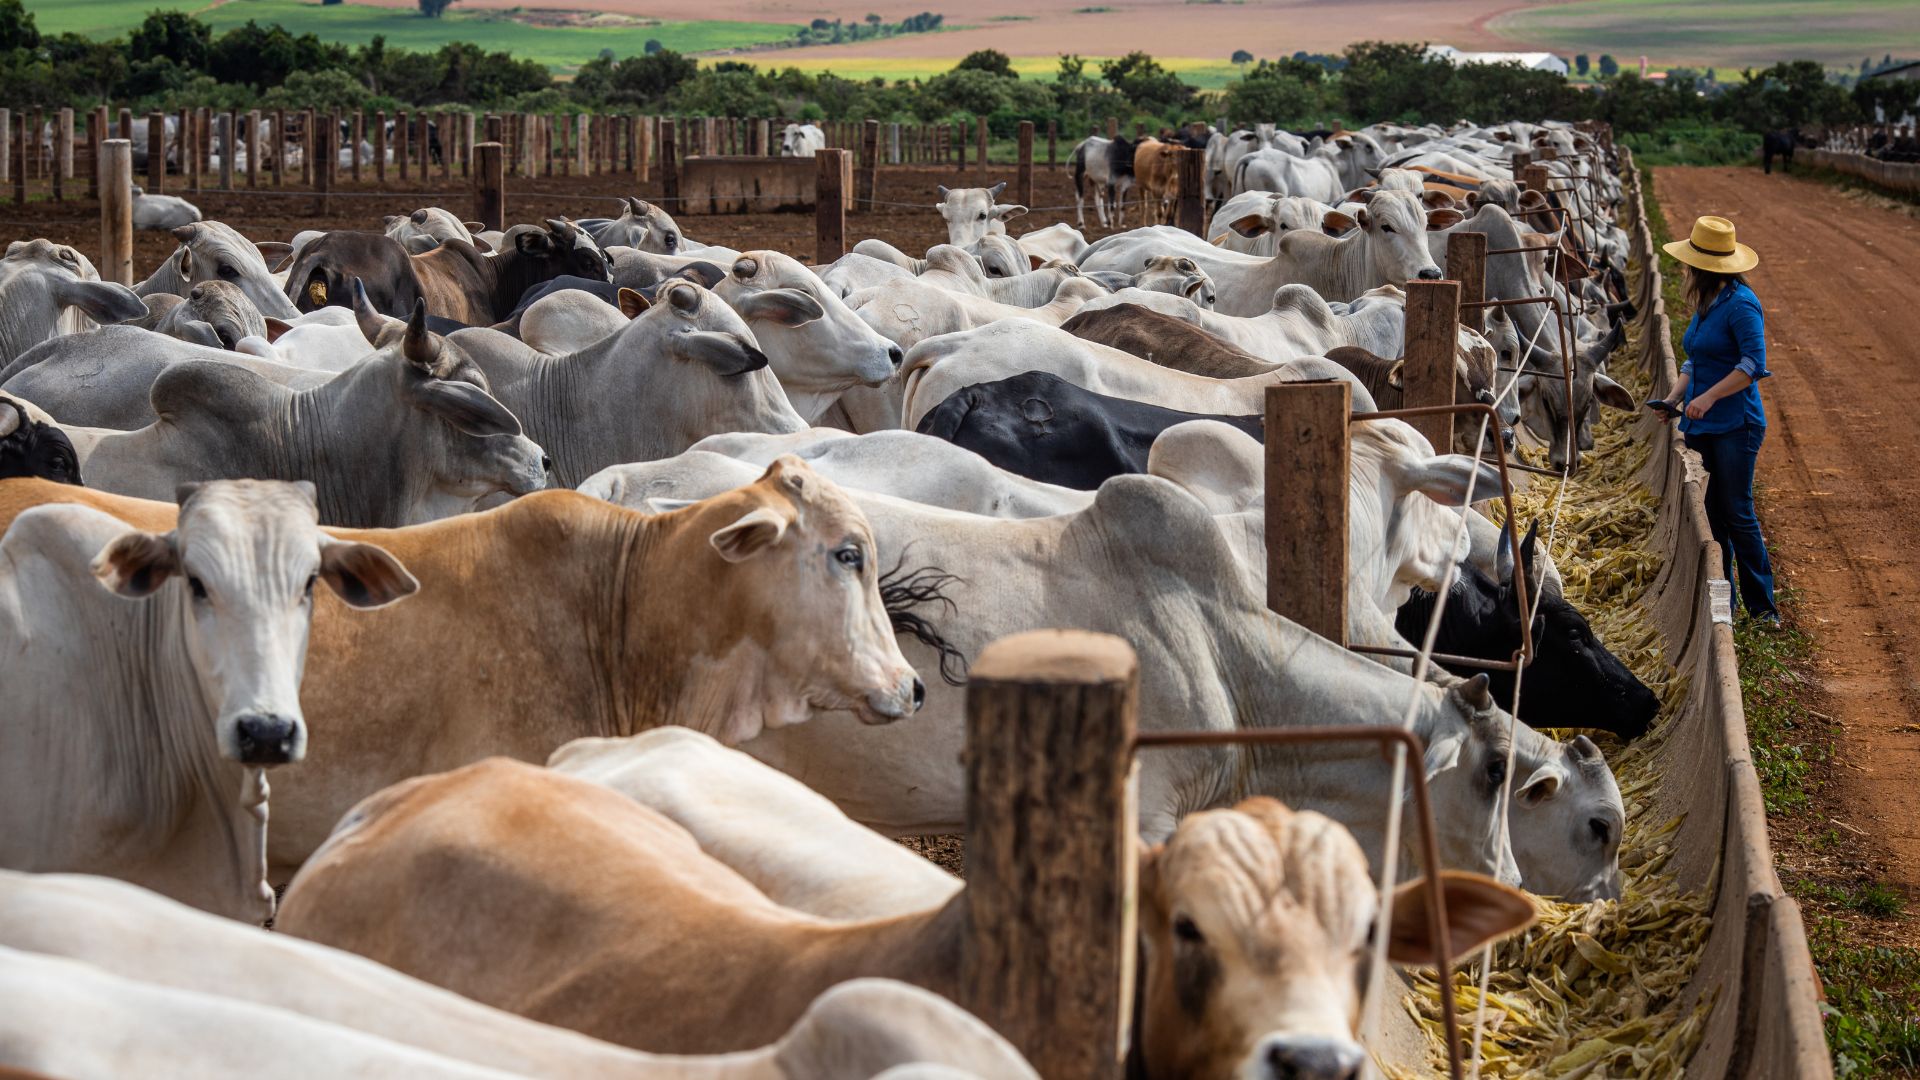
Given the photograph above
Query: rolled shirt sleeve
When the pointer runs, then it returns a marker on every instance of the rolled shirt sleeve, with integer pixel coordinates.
(1749, 334)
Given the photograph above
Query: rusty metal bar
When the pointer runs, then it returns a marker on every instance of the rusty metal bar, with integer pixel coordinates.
(1423, 805)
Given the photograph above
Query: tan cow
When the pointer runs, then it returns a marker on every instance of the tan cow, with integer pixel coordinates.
(560, 616)
(147, 971)
(1156, 176)
(564, 901)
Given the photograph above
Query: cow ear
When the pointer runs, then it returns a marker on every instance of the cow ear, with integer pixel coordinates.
(475, 226)
(1544, 784)
(940, 190)
(387, 222)
(276, 327)
(1362, 196)
(1611, 394)
(272, 251)
(1344, 142)
(466, 407)
(136, 563)
(1436, 200)
(787, 307)
(364, 576)
(185, 256)
(1526, 549)
(1443, 219)
(533, 242)
(632, 303)
(756, 531)
(1335, 223)
(1445, 479)
(1479, 910)
(1396, 375)
(1009, 211)
(1442, 755)
(659, 504)
(1250, 226)
(102, 301)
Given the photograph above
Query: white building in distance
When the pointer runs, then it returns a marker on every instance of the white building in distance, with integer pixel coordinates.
(1535, 61)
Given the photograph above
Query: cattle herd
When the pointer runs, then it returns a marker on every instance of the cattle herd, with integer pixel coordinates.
(600, 602)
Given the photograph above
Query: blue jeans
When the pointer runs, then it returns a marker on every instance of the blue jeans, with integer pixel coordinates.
(1729, 458)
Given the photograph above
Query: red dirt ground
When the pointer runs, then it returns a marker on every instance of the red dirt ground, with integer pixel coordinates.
(1841, 488)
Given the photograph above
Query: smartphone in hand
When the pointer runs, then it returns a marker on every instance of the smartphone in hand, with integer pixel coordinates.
(1664, 408)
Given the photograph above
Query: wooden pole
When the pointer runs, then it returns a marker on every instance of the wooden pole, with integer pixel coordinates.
(63, 143)
(279, 150)
(35, 152)
(1053, 146)
(202, 143)
(490, 185)
(829, 206)
(380, 147)
(324, 163)
(1113, 127)
(1190, 212)
(403, 141)
(959, 146)
(468, 128)
(359, 136)
(1467, 264)
(156, 153)
(21, 155)
(584, 147)
(1051, 847)
(116, 211)
(1023, 166)
(866, 180)
(669, 168)
(424, 135)
(1306, 477)
(1536, 178)
(227, 148)
(307, 159)
(253, 148)
(444, 130)
(126, 124)
(893, 144)
(980, 143)
(7, 164)
(96, 124)
(1433, 333)
(1520, 162)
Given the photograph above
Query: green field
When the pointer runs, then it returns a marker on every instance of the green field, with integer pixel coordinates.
(1203, 73)
(1723, 34)
(561, 47)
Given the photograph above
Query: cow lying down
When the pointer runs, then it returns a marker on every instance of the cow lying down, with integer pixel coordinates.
(664, 937)
(106, 980)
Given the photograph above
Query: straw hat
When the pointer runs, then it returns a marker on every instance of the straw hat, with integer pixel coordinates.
(1712, 247)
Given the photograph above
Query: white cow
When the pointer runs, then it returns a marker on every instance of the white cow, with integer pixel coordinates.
(211, 250)
(971, 213)
(814, 342)
(802, 140)
(911, 311)
(161, 211)
(201, 682)
(45, 287)
(1254, 221)
(427, 228)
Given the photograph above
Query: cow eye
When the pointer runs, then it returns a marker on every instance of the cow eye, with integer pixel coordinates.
(1601, 830)
(311, 580)
(1185, 930)
(983, 217)
(1386, 228)
(1497, 771)
(672, 241)
(228, 272)
(851, 557)
(199, 590)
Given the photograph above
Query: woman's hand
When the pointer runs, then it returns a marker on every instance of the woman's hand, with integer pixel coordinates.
(1698, 407)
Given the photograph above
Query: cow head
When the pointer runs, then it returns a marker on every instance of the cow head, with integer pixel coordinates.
(789, 569)
(1000, 257)
(245, 557)
(1394, 225)
(223, 310)
(212, 251)
(643, 227)
(1544, 405)
(1404, 528)
(801, 140)
(561, 249)
(815, 343)
(1178, 275)
(970, 213)
(31, 445)
(1567, 818)
(426, 228)
(49, 289)
(1466, 768)
(1255, 932)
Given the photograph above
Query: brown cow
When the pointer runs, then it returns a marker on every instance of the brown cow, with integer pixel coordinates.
(559, 616)
(562, 900)
(1156, 176)
(1165, 340)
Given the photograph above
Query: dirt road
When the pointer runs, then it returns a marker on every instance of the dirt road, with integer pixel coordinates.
(1841, 468)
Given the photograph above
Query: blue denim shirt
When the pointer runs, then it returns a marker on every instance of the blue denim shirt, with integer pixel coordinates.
(1729, 336)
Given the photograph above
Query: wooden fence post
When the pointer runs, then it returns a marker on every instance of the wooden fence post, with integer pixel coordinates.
(1433, 334)
(1536, 178)
(307, 160)
(358, 136)
(156, 153)
(126, 124)
(669, 167)
(1053, 145)
(253, 148)
(201, 142)
(829, 206)
(959, 146)
(226, 149)
(1113, 127)
(402, 145)
(1520, 162)
(279, 151)
(893, 144)
(490, 185)
(116, 211)
(21, 155)
(96, 125)
(35, 153)
(7, 164)
(424, 146)
(1467, 264)
(469, 125)
(1306, 481)
(63, 143)
(980, 143)
(867, 178)
(1051, 848)
(1023, 166)
(1190, 213)
(324, 161)
(583, 143)
(380, 147)
(444, 127)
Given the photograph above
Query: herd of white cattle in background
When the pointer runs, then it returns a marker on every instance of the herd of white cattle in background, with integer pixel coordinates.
(501, 724)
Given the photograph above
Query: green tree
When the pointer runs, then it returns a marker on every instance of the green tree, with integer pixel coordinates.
(433, 9)
(653, 46)
(17, 29)
(1581, 63)
(1286, 92)
(171, 35)
(1792, 93)
(1242, 56)
(991, 61)
(1608, 66)
(1146, 85)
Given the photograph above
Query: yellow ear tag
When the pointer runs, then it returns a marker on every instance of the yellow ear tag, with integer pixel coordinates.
(317, 292)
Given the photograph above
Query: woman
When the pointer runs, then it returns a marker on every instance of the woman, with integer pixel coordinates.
(1719, 396)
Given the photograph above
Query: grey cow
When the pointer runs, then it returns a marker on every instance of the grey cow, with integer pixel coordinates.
(41, 282)
(213, 313)
(213, 251)
(408, 435)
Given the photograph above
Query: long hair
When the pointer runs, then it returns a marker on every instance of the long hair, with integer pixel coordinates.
(902, 590)
(1702, 286)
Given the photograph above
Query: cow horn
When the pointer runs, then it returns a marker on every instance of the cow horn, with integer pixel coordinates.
(995, 190)
(561, 228)
(745, 267)
(11, 419)
(184, 233)
(419, 216)
(1476, 693)
(419, 346)
(370, 321)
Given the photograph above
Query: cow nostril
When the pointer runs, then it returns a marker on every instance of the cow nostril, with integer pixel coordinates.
(265, 740)
(1431, 273)
(919, 693)
(546, 463)
(894, 354)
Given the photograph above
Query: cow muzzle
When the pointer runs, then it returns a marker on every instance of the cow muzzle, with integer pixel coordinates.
(896, 702)
(1431, 273)
(269, 739)
(1307, 1057)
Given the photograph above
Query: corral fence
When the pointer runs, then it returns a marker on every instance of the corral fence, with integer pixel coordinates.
(1899, 176)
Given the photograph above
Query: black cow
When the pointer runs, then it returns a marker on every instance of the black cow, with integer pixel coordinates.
(1779, 143)
(31, 448)
(1045, 428)
(1573, 681)
(455, 279)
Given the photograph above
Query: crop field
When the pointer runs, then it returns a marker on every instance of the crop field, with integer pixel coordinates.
(1718, 33)
(1196, 71)
(561, 47)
